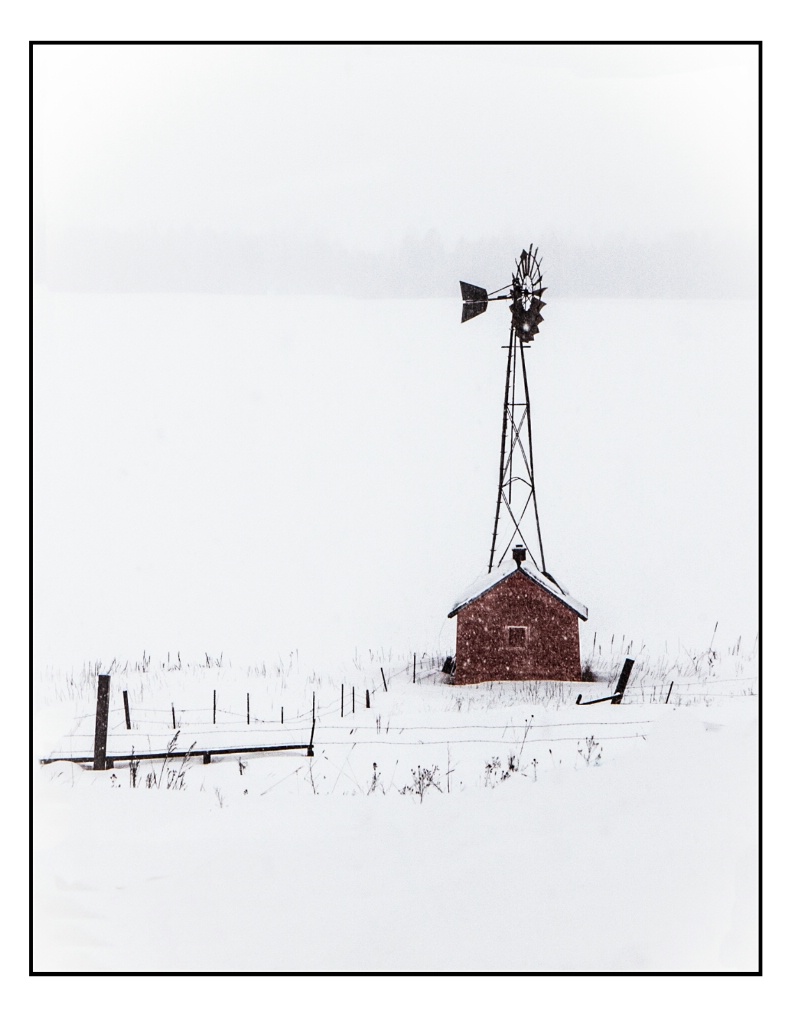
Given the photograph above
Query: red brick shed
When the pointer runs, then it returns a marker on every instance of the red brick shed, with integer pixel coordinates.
(517, 623)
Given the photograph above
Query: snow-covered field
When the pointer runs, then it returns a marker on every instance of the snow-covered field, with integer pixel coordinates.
(251, 487)
(498, 827)
(258, 474)
(211, 476)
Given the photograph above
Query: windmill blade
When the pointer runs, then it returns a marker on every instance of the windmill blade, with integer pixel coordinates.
(524, 263)
(474, 300)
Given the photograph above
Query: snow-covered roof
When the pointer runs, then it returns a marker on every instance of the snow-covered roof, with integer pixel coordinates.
(489, 580)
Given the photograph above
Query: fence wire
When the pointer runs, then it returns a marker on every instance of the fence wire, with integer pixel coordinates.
(251, 726)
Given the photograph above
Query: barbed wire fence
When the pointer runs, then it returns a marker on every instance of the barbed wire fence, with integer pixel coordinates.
(212, 728)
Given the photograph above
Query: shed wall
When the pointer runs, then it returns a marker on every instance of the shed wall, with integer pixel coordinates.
(552, 649)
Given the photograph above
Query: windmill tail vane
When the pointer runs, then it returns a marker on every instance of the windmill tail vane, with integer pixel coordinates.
(516, 511)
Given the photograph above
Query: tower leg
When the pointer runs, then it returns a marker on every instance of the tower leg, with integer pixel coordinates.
(503, 449)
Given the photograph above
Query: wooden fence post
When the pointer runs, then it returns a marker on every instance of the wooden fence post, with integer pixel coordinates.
(384, 681)
(214, 707)
(622, 683)
(281, 716)
(670, 688)
(342, 700)
(414, 657)
(173, 715)
(353, 700)
(126, 710)
(368, 700)
(100, 732)
(248, 709)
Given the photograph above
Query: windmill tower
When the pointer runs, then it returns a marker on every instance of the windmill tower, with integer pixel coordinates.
(516, 510)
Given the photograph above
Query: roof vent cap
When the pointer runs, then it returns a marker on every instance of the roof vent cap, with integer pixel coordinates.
(518, 553)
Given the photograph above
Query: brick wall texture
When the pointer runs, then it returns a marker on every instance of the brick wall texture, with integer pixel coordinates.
(517, 630)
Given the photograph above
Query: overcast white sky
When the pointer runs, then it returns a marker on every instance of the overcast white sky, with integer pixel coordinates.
(393, 170)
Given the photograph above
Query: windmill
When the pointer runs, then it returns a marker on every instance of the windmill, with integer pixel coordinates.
(516, 512)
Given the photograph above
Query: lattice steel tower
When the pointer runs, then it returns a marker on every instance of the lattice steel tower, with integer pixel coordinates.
(516, 511)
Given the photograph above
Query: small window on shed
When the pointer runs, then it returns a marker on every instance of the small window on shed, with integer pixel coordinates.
(517, 636)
